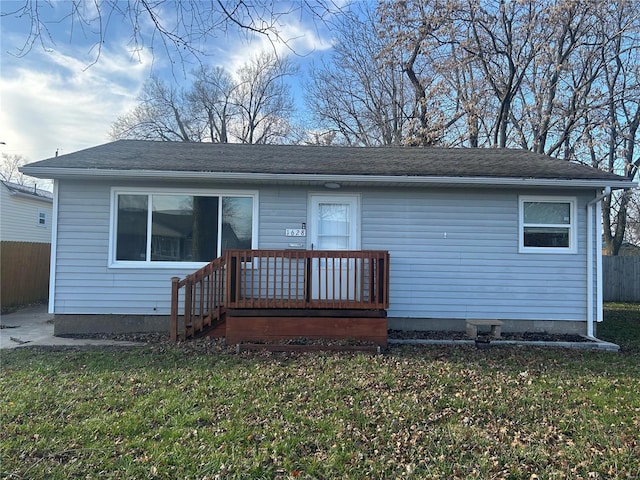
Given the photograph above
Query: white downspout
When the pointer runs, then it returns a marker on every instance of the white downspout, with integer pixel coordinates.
(54, 247)
(590, 257)
(599, 286)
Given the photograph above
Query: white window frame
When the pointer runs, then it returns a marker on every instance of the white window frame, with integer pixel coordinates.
(572, 226)
(113, 223)
(44, 215)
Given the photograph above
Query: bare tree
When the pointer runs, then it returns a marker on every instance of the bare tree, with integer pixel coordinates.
(632, 233)
(182, 28)
(358, 94)
(558, 84)
(263, 99)
(255, 108)
(211, 102)
(320, 139)
(414, 32)
(163, 114)
(621, 111)
(468, 94)
(9, 166)
(505, 41)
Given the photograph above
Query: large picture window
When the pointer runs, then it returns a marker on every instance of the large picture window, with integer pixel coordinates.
(180, 227)
(547, 224)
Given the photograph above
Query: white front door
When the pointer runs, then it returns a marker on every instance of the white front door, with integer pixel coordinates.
(334, 225)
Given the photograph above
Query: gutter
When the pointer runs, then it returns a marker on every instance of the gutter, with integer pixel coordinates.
(598, 254)
(31, 196)
(319, 179)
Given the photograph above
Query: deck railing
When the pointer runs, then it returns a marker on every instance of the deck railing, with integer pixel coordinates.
(204, 299)
(280, 279)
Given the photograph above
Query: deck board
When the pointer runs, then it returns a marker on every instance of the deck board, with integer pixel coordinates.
(267, 326)
(272, 294)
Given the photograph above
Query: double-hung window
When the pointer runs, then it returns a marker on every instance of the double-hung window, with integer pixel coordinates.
(547, 224)
(165, 227)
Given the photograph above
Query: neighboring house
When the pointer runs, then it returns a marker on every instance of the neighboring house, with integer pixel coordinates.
(472, 233)
(26, 213)
(25, 237)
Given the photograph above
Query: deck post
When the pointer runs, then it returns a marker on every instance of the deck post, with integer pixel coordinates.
(188, 310)
(381, 281)
(174, 308)
(232, 289)
(307, 280)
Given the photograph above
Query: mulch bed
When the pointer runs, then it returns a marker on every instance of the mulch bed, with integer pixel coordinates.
(454, 335)
(161, 341)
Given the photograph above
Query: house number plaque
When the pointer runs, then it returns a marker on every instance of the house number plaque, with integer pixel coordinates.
(295, 232)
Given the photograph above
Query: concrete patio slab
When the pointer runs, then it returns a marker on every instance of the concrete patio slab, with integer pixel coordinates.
(33, 326)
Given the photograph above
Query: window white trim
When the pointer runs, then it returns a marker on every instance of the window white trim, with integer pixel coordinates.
(572, 226)
(113, 222)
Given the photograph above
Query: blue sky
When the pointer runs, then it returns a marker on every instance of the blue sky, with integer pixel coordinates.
(56, 98)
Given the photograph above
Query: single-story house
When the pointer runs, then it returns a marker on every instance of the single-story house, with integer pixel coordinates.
(471, 233)
(25, 238)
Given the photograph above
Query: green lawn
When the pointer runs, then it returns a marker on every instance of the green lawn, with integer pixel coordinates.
(198, 411)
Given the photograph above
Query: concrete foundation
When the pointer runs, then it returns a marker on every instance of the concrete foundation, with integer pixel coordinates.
(88, 324)
(519, 326)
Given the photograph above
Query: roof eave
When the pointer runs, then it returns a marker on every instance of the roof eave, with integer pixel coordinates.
(306, 178)
(30, 196)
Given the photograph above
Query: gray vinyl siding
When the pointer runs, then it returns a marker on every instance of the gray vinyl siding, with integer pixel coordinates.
(84, 283)
(281, 208)
(476, 271)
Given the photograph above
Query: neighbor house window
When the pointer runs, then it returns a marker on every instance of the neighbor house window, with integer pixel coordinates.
(42, 218)
(548, 224)
(180, 227)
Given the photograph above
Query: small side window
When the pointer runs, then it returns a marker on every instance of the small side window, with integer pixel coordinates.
(42, 218)
(547, 225)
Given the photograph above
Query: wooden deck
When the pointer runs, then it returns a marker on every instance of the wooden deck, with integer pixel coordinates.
(270, 295)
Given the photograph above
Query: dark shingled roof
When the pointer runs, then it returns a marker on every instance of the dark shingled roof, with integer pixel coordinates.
(130, 155)
(28, 190)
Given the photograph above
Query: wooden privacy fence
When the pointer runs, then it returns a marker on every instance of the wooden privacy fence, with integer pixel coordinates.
(24, 273)
(621, 279)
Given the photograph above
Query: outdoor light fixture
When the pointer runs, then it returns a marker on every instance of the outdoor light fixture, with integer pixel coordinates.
(332, 185)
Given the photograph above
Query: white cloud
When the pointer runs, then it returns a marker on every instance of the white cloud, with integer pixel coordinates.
(306, 40)
(64, 105)
(298, 40)
(61, 99)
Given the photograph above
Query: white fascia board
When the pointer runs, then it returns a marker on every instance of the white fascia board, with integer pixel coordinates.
(49, 172)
